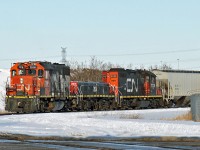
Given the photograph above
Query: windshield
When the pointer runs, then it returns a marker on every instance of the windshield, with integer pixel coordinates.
(31, 71)
(22, 72)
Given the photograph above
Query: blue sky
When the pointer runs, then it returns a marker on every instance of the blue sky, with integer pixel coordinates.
(37, 29)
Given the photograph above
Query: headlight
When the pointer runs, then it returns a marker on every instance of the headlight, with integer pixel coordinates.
(21, 80)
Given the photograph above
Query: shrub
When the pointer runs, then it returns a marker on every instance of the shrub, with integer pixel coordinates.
(187, 116)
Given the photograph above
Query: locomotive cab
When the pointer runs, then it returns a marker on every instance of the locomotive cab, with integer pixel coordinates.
(37, 86)
(130, 82)
(26, 78)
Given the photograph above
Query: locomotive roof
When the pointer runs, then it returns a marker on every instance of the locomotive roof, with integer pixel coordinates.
(178, 71)
(130, 70)
(117, 69)
(47, 65)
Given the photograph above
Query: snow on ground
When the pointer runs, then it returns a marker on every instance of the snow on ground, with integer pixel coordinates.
(130, 123)
(4, 74)
(152, 122)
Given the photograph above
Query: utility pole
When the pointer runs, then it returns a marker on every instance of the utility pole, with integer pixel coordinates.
(178, 63)
(64, 61)
(161, 67)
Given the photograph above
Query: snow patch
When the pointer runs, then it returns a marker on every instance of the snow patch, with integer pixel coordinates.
(103, 123)
(4, 76)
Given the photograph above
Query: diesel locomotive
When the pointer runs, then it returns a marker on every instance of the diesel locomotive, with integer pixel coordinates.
(37, 86)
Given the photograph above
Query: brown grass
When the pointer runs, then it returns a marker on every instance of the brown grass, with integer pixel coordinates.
(187, 116)
(5, 112)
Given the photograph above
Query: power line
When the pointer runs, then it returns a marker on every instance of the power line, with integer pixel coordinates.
(30, 58)
(147, 53)
(108, 55)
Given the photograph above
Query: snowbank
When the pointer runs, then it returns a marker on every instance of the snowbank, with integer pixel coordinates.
(104, 124)
(4, 74)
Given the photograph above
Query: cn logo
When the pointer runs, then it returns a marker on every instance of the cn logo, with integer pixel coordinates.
(131, 84)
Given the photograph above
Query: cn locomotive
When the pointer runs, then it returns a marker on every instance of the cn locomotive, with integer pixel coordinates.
(37, 86)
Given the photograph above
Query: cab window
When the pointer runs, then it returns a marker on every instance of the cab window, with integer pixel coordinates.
(14, 73)
(40, 73)
(152, 80)
(31, 71)
(147, 78)
(22, 72)
(46, 74)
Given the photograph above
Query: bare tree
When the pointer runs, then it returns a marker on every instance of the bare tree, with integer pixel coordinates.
(164, 66)
(88, 71)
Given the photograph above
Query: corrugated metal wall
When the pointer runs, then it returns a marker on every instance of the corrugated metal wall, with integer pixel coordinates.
(182, 83)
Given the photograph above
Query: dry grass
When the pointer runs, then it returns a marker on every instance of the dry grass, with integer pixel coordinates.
(187, 116)
(4, 113)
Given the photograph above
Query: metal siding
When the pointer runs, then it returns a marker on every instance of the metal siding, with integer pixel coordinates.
(183, 84)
